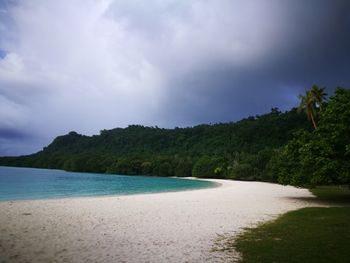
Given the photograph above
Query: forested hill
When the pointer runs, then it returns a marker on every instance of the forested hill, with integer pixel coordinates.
(232, 150)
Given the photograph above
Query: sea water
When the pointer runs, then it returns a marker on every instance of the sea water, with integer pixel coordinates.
(29, 183)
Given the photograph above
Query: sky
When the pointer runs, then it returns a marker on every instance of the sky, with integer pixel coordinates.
(89, 65)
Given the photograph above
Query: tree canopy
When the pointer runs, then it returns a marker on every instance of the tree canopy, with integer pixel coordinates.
(321, 156)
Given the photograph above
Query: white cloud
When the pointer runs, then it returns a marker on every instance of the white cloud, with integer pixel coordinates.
(91, 72)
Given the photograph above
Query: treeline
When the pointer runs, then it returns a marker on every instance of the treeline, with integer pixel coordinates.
(279, 147)
(238, 150)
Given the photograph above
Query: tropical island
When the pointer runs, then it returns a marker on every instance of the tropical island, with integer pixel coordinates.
(308, 147)
(174, 131)
(305, 146)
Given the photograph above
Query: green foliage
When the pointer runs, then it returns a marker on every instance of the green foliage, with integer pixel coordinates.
(312, 102)
(321, 156)
(251, 166)
(243, 171)
(209, 167)
(163, 167)
(184, 168)
(238, 150)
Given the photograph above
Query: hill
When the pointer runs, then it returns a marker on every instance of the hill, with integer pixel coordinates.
(238, 150)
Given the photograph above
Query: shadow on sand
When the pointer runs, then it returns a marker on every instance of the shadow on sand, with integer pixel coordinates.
(321, 202)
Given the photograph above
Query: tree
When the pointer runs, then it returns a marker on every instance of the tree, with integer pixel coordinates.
(183, 168)
(209, 167)
(319, 95)
(311, 102)
(321, 156)
(308, 105)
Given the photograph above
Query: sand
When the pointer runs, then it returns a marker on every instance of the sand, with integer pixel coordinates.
(161, 227)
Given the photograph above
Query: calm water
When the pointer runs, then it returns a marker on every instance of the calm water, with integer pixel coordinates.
(29, 183)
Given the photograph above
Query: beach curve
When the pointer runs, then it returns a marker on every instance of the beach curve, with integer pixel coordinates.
(159, 227)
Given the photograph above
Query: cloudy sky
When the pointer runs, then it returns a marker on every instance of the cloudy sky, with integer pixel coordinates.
(88, 65)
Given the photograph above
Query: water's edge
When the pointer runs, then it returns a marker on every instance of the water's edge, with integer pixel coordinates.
(145, 186)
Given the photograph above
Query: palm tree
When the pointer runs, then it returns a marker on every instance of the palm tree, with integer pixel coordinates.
(311, 101)
(308, 104)
(319, 95)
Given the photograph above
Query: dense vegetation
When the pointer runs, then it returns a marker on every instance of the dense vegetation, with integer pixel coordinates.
(277, 147)
(228, 150)
(321, 156)
(306, 235)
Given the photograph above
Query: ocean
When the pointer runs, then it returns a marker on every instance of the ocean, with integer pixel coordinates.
(30, 183)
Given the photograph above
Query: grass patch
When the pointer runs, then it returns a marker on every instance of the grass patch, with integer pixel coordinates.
(306, 235)
(337, 194)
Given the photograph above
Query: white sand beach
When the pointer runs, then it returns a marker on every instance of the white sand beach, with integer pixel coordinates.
(161, 227)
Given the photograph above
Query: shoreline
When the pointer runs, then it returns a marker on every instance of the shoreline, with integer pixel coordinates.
(178, 226)
(214, 185)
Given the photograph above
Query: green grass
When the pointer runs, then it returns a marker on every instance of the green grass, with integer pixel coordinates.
(306, 235)
(337, 194)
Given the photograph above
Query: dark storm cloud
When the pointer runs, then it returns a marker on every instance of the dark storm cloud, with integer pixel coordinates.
(11, 138)
(8, 133)
(312, 49)
(167, 63)
(228, 95)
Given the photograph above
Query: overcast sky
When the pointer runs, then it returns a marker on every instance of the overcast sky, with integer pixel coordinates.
(88, 65)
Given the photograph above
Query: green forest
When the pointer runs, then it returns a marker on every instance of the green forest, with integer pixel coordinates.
(307, 145)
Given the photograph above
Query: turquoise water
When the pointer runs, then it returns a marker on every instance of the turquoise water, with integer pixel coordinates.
(28, 183)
